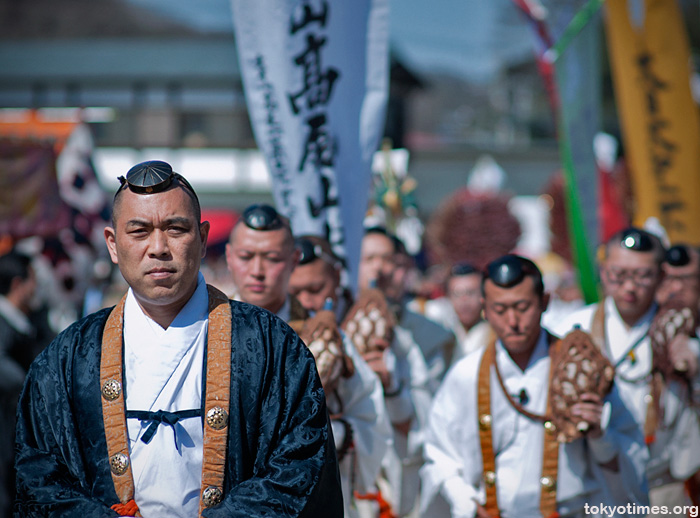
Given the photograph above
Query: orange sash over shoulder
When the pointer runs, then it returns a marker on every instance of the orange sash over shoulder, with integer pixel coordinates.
(216, 405)
(550, 457)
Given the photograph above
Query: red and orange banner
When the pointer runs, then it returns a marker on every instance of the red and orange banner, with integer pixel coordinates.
(29, 204)
(650, 61)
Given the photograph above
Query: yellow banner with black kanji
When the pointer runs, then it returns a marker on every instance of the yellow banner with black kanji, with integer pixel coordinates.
(650, 62)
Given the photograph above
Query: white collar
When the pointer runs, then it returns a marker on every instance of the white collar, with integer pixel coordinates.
(533, 381)
(196, 309)
(508, 367)
(152, 354)
(643, 322)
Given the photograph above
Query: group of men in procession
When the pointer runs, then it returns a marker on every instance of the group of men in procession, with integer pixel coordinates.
(291, 397)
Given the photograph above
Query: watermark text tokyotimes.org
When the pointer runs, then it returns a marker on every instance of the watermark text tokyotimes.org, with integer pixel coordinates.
(641, 510)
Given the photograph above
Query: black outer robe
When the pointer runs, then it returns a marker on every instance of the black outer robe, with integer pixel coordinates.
(281, 459)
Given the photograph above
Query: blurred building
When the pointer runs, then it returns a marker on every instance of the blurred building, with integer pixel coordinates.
(162, 86)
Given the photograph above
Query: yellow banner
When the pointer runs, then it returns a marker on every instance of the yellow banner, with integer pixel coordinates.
(650, 62)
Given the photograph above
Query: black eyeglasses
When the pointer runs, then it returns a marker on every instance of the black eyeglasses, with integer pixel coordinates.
(636, 239)
(310, 252)
(151, 177)
(640, 277)
(678, 256)
(461, 269)
(262, 217)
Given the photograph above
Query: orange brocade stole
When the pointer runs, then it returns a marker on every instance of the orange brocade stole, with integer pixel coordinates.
(550, 457)
(216, 407)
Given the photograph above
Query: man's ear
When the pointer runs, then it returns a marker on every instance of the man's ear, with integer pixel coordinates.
(204, 227)
(296, 257)
(545, 301)
(111, 240)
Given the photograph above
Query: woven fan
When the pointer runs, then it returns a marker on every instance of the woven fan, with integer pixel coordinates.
(671, 320)
(321, 335)
(369, 324)
(578, 367)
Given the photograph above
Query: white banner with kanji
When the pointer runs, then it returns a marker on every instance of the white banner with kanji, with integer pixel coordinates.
(315, 75)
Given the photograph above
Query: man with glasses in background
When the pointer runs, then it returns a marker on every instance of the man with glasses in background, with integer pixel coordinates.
(631, 272)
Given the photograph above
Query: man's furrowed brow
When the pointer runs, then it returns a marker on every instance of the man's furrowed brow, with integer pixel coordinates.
(179, 221)
(138, 222)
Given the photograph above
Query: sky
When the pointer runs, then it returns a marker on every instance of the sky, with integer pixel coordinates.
(470, 39)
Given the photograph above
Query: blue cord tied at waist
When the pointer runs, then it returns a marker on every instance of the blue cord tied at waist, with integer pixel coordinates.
(160, 417)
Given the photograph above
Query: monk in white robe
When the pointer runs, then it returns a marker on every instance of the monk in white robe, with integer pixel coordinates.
(455, 476)
(262, 260)
(631, 272)
(406, 376)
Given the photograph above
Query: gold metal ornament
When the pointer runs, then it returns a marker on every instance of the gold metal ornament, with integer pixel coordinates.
(111, 389)
(550, 426)
(212, 496)
(485, 421)
(548, 483)
(217, 418)
(119, 463)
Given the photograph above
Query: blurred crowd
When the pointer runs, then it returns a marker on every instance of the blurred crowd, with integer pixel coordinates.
(406, 334)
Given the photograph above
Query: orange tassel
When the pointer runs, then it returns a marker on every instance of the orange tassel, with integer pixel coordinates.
(128, 509)
(385, 510)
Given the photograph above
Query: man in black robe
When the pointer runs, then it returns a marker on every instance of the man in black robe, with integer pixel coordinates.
(264, 438)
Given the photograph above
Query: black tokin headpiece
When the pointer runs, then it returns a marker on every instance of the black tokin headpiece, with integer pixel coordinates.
(506, 271)
(262, 217)
(636, 239)
(678, 255)
(152, 177)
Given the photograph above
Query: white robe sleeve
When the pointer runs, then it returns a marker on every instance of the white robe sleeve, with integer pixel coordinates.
(622, 440)
(364, 410)
(452, 449)
(581, 317)
(397, 396)
(416, 395)
(411, 403)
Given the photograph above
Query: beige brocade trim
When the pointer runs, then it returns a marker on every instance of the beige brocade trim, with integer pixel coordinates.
(216, 405)
(113, 407)
(550, 453)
